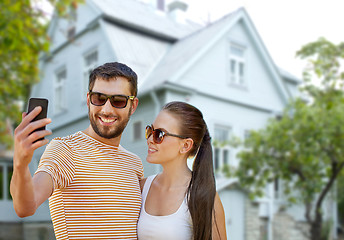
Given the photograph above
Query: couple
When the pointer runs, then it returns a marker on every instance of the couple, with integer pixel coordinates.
(93, 183)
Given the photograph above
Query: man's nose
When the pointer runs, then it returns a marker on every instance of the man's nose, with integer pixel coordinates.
(107, 107)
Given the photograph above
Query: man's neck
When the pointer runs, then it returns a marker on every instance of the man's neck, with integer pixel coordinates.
(110, 141)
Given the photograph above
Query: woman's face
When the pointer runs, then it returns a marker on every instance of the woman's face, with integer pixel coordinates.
(169, 148)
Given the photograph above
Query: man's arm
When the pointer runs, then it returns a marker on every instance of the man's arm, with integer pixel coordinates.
(28, 192)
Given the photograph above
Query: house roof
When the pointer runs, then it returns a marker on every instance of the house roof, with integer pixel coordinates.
(188, 40)
(194, 46)
(288, 76)
(143, 17)
(188, 47)
(222, 183)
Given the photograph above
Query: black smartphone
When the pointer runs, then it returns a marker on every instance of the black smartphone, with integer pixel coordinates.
(34, 102)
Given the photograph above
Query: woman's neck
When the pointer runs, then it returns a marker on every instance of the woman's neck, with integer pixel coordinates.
(175, 175)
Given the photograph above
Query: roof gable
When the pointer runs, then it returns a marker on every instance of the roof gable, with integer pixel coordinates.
(191, 48)
(194, 47)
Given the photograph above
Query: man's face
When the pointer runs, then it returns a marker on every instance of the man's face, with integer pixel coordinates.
(107, 121)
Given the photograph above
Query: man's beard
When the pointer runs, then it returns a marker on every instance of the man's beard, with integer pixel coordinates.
(106, 132)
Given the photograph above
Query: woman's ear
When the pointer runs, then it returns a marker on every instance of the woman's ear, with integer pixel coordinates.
(186, 146)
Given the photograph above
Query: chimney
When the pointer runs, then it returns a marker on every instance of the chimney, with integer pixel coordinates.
(161, 5)
(177, 10)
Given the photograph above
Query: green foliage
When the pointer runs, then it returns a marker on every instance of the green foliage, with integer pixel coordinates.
(305, 147)
(22, 38)
(299, 148)
(324, 59)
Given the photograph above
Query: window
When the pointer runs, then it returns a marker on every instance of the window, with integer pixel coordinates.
(9, 176)
(222, 133)
(216, 158)
(6, 171)
(137, 127)
(90, 62)
(221, 147)
(247, 134)
(59, 88)
(225, 153)
(237, 65)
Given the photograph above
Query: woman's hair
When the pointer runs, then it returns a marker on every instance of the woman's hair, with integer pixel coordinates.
(201, 191)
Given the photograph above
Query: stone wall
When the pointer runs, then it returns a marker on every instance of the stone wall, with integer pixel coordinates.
(252, 221)
(38, 231)
(11, 231)
(284, 227)
(27, 231)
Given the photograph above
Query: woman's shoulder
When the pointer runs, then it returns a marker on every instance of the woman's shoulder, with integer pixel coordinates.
(144, 180)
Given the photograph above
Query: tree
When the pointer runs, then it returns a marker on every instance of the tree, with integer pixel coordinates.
(340, 199)
(304, 147)
(22, 38)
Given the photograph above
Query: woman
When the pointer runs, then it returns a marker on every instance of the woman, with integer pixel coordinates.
(179, 203)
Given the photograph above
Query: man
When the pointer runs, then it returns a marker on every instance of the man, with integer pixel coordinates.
(91, 181)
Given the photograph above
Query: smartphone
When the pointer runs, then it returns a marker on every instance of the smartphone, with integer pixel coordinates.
(34, 102)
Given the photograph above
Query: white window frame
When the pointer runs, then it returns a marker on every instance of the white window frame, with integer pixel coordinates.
(60, 85)
(220, 151)
(87, 69)
(236, 76)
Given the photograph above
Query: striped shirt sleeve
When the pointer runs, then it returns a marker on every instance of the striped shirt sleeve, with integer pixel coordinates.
(57, 161)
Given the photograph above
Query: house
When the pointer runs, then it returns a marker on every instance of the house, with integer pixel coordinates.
(223, 68)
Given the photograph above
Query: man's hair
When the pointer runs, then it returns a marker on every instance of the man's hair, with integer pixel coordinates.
(109, 71)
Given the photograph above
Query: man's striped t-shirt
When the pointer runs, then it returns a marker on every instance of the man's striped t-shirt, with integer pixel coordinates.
(96, 188)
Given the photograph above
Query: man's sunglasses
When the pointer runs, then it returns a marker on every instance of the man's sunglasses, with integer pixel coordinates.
(117, 101)
(158, 134)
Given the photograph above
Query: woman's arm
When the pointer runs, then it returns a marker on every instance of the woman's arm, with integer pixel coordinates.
(219, 221)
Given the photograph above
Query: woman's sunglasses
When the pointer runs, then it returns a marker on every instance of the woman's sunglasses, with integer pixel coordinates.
(117, 101)
(158, 134)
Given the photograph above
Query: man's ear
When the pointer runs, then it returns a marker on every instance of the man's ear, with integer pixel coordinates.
(186, 146)
(88, 99)
(134, 105)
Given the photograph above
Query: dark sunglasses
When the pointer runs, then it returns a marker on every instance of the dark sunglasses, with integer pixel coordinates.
(117, 101)
(158, 134)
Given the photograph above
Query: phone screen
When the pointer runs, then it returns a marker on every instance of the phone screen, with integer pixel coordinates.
(34, 102)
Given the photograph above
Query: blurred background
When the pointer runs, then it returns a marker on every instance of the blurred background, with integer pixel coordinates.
(267, 75)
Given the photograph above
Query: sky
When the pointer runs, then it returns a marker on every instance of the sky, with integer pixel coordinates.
(283, 25)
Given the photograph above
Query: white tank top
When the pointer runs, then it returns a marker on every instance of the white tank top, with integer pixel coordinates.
(176, 226)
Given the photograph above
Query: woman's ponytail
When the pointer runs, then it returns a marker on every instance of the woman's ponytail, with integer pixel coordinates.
(201, 191)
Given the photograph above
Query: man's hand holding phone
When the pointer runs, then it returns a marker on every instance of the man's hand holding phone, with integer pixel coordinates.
(30, 133)
(29, 192)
